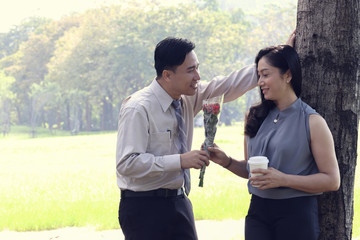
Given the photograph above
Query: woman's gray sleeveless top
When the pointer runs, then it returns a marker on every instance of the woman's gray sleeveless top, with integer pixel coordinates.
(284, 138)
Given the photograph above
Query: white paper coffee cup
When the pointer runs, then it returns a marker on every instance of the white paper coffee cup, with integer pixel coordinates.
(257, 162)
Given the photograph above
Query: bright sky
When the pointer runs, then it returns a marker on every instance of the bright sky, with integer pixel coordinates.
(12, 12)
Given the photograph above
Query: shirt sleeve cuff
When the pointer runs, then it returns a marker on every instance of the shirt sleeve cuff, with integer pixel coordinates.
(172, 163)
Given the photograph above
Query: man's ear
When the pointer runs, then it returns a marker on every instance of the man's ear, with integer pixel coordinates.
(166, 75)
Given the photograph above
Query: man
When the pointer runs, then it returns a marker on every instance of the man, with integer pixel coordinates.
(154, 141)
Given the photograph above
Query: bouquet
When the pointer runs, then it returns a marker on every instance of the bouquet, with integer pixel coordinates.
(211, 109)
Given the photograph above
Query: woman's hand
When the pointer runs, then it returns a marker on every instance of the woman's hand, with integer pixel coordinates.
(237, 167)
(218, 156)
(271, 178)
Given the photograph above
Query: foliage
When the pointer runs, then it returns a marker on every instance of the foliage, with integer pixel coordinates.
(11, 41)
(6, 98)
(98, 58)
(278, 29)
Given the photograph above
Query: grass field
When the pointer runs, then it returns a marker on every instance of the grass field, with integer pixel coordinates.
(60, 181)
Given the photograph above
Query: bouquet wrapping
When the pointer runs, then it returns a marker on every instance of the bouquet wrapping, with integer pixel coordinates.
(211, 113)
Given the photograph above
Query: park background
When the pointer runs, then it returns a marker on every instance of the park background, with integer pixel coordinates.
(62, 83)
(54, 182)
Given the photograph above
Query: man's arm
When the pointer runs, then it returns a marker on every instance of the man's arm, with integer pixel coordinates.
(232, 86)
(132, 159)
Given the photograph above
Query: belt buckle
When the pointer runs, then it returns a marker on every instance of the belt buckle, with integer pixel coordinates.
(180, 191)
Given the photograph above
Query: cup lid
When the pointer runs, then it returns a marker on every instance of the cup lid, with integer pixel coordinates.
(258, 159)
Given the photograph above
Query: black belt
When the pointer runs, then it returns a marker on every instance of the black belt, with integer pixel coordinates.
(162, 192)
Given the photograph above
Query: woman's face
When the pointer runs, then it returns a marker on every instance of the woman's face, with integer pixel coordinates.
(274, 85)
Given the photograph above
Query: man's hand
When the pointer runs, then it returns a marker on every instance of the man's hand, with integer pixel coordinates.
(291, 40)
(194, 159)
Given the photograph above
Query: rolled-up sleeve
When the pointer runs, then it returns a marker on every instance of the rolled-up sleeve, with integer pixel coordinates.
(232, 86)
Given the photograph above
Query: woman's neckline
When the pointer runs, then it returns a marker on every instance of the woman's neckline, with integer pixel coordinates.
(288, 106)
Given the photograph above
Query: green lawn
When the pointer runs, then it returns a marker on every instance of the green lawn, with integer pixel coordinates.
(61, 181)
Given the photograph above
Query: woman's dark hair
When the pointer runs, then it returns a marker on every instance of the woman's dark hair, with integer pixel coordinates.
(170, 53)
(284, 58)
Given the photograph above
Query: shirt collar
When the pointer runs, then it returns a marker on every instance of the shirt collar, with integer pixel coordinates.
(162, 96)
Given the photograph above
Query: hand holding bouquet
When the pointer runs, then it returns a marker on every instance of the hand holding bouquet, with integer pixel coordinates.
(211, 110)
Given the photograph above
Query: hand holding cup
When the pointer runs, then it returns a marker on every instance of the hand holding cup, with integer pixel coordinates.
(256, 162)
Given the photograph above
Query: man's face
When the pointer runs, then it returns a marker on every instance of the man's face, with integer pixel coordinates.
(185, 78)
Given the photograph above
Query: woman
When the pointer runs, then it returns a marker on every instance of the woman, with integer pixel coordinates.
(300, 149)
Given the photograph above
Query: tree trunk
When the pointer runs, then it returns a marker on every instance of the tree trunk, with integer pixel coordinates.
(68, 117)
(88, 115)
(107, 118)
(327, 40)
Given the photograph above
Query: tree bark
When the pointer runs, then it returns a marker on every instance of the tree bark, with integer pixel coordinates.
(328, 42)
(88, 115)
(107, 117)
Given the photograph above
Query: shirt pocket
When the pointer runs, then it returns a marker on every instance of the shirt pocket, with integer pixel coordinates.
(159, 143)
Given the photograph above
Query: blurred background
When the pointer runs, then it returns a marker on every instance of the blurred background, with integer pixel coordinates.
(65, 68)
(67, 65)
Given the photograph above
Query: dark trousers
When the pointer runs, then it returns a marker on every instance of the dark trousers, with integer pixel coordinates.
(158, 218)
(278, 219)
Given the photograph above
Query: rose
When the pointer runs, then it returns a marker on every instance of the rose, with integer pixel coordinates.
(211, 109)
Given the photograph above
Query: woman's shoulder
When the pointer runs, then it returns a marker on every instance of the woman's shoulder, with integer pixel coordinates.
(307, 108)
(316, 120)
(313, 115)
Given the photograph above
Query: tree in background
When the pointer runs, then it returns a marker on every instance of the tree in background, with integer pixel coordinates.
(97, 58)
(271, 27)
(6, 98)
(110, 54)
(11, 41)
(328, 42)
(27, 63)
(42, 95)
